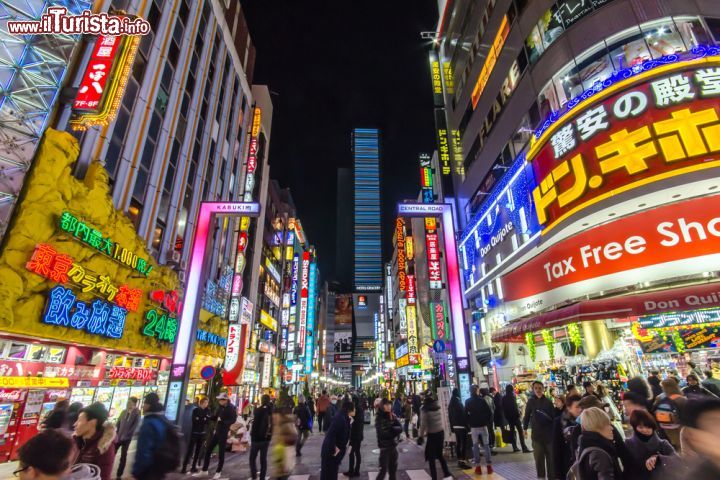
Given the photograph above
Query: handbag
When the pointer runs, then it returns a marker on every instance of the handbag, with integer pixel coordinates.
(508, 435)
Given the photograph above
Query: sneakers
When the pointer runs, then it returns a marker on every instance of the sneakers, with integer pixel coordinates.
(217, 476)
(202, 474)
(489, 469)
(478, 470)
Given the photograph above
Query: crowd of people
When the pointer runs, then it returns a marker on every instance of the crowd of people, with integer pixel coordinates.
(664, 428)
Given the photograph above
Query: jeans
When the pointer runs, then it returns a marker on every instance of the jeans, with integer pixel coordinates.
(320, 416)
(355, 458)
(261, 447)
(388, 463)
(406, 427)
(302, 438)
(221, 442)
(196, 441)
(543, 456)
(515, 424)
(460, 442)
(480, 436)
(123, 448)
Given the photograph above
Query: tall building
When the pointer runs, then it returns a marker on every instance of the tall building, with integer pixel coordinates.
(536, 98)
(367, 275)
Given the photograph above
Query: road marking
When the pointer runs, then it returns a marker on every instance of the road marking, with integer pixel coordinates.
(418, 475)
(299, 477)
(494, 476)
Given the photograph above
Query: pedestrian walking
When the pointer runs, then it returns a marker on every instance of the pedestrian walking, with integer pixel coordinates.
(597, 456)
(485, 394)
(431, 428)
(668, 410)
(126, 426)
(200, 419)
(459, 424)
(694, 387)
(539, 416)
(479, 417)
(589, 389)
(285, 437)
(225, 416)
(303, 422)
(311, 406)
(701, 435)
(55, 419)
(651, 457)
(330, 412)
(512, 415)
(260, 435)
(95, 439)
(46, 456)
(711, 383)
(611, 409)
(654, 381)
(388, 429)
(322, 405)
(563, 427)
(158, 446)
(498, 415)
(408, 415)
(335, 442)
(356, 437)
(397, 407)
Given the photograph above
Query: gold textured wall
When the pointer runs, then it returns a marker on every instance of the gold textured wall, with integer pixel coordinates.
(50, 190)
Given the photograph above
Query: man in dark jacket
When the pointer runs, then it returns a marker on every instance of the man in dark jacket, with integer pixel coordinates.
(356, 438)
(459, 425)
(126, 426)
(539, 415)
(260, 435)
(200, 419)
(654, 381)
(388, 429)
(224, 416)
(563, 454)
(335, 443)
(694, 387)
(479, 417)
(95, 439)
(512, 415)
(303, 416)
(152, 435)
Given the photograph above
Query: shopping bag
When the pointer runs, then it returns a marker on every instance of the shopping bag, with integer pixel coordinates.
(508, 435)
(498, 439)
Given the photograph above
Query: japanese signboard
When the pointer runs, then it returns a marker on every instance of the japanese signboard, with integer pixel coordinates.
(436, 79)
(304, 299)
(443, 141)
(490, 61)
(410, 295)
(438, 321)
(412, 339)
(103, 83)
(432, 248)
(401, 260)
(660, 126)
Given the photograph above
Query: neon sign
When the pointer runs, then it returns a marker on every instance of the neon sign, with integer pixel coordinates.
(97, 318)
(103, 84)
(411, 314)
(160, 325)
(437, 313)
(433, 260)
(89, 236)
(268, 321)
(400, 241)
(490, 61)
(312, 297)
(410, 294)
(208, 337)
(125, 373)
(304, 291)
(636, 137)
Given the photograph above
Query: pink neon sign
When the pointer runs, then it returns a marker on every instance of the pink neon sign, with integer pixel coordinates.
(456, 306)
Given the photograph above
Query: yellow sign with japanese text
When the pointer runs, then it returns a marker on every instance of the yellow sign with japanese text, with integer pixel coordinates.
(34, 382)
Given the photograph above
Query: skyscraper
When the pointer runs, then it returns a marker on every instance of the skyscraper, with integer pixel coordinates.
(368, 255)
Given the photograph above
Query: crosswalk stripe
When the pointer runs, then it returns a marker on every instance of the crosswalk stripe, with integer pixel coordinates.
(418, 475)
(299, 477)
(372, 475)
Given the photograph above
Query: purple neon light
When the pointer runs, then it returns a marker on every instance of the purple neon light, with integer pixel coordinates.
(453, 270)
(197, 256)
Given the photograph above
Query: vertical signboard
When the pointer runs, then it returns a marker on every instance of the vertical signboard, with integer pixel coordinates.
(410, 290)
(438, 319)
(266, 371)
(413, 349)
(436, 79)
(401, 260)
(432, 249)
(402, 306)
(304, 291)
(312, 303)
(443, 141)
(252, 155)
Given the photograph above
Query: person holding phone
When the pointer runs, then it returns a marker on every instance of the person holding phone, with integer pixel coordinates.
(335, 442)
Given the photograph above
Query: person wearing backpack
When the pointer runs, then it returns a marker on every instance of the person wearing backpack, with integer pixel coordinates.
(225, 416)
(158, 445)
(563, 428)
(668, 410)
(304, 424)
(260, 435)
(479, 417)
(539, 416)
(597, 456)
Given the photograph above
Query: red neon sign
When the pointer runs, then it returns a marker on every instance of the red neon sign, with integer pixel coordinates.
(433, 259)
(92, 87)
(411, 289)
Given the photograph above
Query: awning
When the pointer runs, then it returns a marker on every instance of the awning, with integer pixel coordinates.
(670, 300)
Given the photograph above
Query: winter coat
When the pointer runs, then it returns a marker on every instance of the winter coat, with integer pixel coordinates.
(456, 413)
(358, 425)
(697, 390)
(151, 437)
(618, 443)
(98, 450)
(322, 404)
(712, 384)
(226, 416)
(408, 411)
(329, 414)
(127, 424)
(200, 419)
(430, 419)
(563, 453)
(510, 408)
(397, 408)
(387, 428)
(498, 415)
(598, 465)
(261, 430)
(641, 450)
(338, 435)
(478, 412)
(303, 415)
(539, 415)
(655, 385)
(282, 449)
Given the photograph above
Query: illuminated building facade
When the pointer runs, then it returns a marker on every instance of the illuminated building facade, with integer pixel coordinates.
(527, 85)
(367, 274)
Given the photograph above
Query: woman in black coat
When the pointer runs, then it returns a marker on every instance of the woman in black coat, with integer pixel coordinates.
(356, 438)
(512, 416)
(597, 454)
(335, 443)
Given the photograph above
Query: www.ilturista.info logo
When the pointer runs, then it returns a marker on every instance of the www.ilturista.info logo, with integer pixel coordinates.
(57, 20)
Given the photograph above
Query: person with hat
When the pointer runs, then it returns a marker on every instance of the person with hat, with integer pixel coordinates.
(95, 439)
(225, 416)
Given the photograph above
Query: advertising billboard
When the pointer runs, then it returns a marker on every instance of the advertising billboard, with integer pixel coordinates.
(312, 302)
(342, 341)
(304, 292)
(343, 309)
(401, 259)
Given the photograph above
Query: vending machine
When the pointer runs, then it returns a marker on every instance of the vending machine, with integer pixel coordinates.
(11, 402)
(38, 404)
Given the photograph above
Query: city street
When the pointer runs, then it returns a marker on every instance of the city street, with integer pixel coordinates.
(412, 465)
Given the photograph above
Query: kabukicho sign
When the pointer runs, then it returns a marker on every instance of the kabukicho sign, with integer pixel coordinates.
(670, 241)
(401, 260)
(663, 124)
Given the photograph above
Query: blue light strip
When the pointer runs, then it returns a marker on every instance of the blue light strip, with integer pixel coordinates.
(368, 253)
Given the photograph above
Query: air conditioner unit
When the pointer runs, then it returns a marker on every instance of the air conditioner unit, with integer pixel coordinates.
(176, 256)
(183, 264)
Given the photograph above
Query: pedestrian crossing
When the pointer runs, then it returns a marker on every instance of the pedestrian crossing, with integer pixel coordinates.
(410, 475)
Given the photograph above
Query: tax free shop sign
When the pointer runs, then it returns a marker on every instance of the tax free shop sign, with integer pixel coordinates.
(670, 241)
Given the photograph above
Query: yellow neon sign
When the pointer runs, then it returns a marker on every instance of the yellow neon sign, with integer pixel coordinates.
(491, 60)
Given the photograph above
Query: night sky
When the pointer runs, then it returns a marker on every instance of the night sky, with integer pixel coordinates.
(337, 65)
